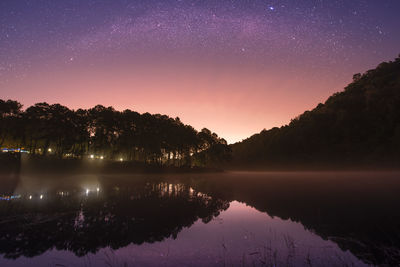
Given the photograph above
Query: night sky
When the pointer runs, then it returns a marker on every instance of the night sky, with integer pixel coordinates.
(235, 67)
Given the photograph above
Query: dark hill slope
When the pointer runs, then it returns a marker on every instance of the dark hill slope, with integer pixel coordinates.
(359, 125)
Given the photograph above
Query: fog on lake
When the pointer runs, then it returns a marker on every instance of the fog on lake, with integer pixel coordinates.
(215, 219)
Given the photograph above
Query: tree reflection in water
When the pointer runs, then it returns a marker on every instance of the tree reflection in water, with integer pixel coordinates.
(357, 211)
(115, 217)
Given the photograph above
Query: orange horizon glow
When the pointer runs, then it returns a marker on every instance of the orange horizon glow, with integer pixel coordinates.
(233, 101)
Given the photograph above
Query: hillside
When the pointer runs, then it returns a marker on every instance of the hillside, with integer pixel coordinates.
(358, 125)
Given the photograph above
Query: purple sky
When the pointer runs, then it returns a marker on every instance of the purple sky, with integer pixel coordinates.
(235, 67)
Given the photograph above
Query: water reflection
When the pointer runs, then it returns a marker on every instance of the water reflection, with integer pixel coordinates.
(93, 215)
(85, 221)
(358, 211)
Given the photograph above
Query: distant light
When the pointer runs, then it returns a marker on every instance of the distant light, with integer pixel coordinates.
(98, 189)
(13, 150)
(121, 159)
(271, 8)
(101, 157)
(92, 156)
(41, 196)
(30, 197)
(87, 191)
(49, 149)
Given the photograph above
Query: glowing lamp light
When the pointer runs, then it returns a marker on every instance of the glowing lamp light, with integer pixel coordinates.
(41, 197)
(121, 159)
(101, 157)
(98, 189)
(30, 197)
(92, 156)
(87, 191)
(49, 149)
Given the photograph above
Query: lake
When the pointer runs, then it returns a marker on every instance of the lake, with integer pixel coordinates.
(215, 219)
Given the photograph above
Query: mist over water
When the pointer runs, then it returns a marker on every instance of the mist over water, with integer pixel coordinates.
(219, 219)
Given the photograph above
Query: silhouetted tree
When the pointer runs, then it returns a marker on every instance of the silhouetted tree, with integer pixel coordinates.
(10, 112)
(104, 132)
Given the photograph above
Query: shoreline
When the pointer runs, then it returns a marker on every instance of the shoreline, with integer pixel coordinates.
(17, 164)
(14, 163)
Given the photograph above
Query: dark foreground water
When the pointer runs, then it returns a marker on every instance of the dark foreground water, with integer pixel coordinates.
(228, 219)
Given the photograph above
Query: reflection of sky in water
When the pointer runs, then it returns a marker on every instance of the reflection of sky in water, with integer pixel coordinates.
(240, 235)
(92, 210)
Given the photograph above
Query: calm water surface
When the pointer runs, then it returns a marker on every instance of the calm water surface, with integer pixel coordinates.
(229, 219)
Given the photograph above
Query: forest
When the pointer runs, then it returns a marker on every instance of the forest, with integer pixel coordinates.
(358, 125)
(103, 133)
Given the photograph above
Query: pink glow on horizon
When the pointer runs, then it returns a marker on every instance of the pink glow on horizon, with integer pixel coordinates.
(234, 102)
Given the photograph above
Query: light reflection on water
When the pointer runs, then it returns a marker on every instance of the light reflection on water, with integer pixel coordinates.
(176, 220)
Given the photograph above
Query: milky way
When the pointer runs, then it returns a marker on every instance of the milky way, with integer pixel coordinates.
(199, 60)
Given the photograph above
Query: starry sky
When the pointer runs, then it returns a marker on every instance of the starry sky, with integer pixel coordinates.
(233, 66)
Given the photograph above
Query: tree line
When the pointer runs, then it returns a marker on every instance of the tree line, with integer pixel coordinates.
(105, 133)
(358, 125)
